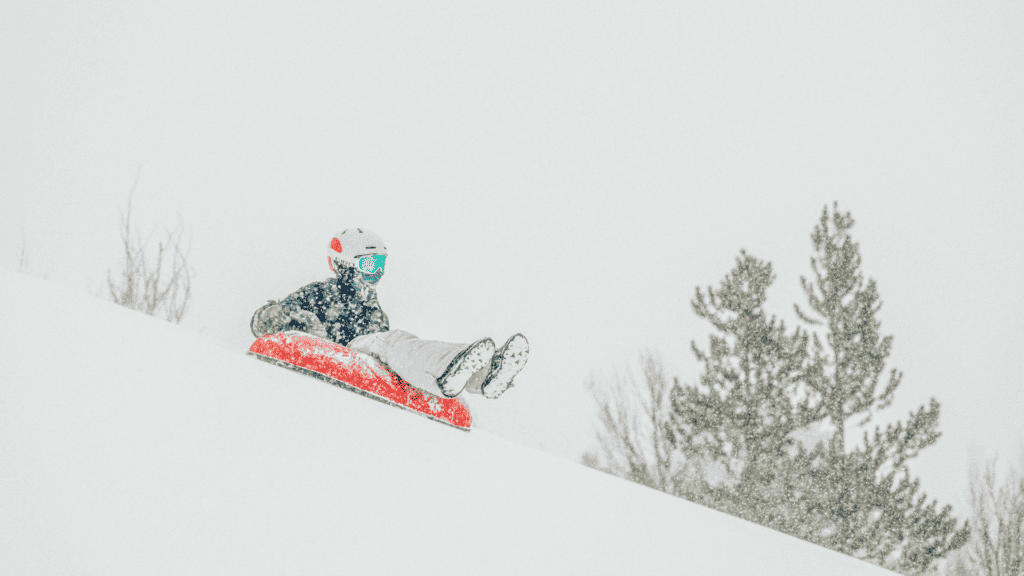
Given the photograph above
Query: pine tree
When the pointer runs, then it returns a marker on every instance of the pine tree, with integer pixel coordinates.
(848, 307)
(867, 495)
(751, 396)
(761, 384)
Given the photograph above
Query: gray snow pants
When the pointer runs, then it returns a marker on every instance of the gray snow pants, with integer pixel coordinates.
(419, 362)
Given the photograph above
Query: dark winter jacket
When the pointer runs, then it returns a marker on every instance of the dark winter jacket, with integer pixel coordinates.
(345, 309)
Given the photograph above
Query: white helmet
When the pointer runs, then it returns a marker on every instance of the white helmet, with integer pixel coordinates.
(360, 249)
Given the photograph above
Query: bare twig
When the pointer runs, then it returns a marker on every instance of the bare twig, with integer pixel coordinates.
(142, 283)
(997, 543)
(23, 263)
(632, 436)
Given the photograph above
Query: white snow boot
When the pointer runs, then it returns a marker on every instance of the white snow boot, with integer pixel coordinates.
(474, 358)
(505, 364)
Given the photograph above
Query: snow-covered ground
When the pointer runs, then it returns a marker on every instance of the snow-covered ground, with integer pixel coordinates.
(132, 446)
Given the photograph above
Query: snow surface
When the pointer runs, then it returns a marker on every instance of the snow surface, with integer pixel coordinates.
(132, 446)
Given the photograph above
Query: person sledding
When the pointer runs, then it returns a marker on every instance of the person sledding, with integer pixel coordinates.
(344, 309)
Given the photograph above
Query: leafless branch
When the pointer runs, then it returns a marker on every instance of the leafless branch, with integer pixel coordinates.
(159, 288)
(23, 262)
(997, 526)
(632, 435)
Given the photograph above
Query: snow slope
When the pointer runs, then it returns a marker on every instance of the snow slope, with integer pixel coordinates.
(132, 446)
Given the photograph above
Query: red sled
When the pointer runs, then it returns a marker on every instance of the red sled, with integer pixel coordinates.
(360, 373)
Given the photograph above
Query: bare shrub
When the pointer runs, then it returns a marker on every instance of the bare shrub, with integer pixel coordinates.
(634, 439)
(159, 284)
(997, 522)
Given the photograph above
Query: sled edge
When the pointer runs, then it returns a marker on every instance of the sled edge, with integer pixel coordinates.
(366, 393)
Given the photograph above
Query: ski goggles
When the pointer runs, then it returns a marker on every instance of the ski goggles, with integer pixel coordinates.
(371, 264)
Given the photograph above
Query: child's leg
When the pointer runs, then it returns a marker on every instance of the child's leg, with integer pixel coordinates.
(419, 362)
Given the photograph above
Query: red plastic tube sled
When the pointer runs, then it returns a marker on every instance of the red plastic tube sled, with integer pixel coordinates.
(357, 372)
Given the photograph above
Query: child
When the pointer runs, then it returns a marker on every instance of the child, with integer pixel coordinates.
(345, 309)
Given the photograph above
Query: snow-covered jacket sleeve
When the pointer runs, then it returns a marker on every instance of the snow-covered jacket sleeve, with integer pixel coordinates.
(296, 312)
(345, 311)
(272, 318)
(310, 297)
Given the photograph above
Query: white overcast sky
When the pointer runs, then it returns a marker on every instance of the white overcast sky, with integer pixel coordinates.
(571, 170)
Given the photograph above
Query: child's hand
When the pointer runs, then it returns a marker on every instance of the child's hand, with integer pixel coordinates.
(270, 319)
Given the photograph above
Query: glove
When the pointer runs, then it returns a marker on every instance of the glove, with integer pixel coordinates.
(269, 319)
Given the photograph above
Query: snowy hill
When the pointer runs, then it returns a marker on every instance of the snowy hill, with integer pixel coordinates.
(132, 446)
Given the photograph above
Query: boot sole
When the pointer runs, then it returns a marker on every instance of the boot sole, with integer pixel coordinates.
(463, 366)
(507, 362)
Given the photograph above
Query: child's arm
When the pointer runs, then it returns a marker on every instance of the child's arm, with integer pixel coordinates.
(269, 319)
(273, 318)
(291, 313)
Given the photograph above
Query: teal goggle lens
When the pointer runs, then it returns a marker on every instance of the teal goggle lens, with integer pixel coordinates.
(372, 264)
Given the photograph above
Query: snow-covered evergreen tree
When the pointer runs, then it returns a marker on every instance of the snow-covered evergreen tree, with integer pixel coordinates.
(871, 505)
(736, 422)
(761, 385)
